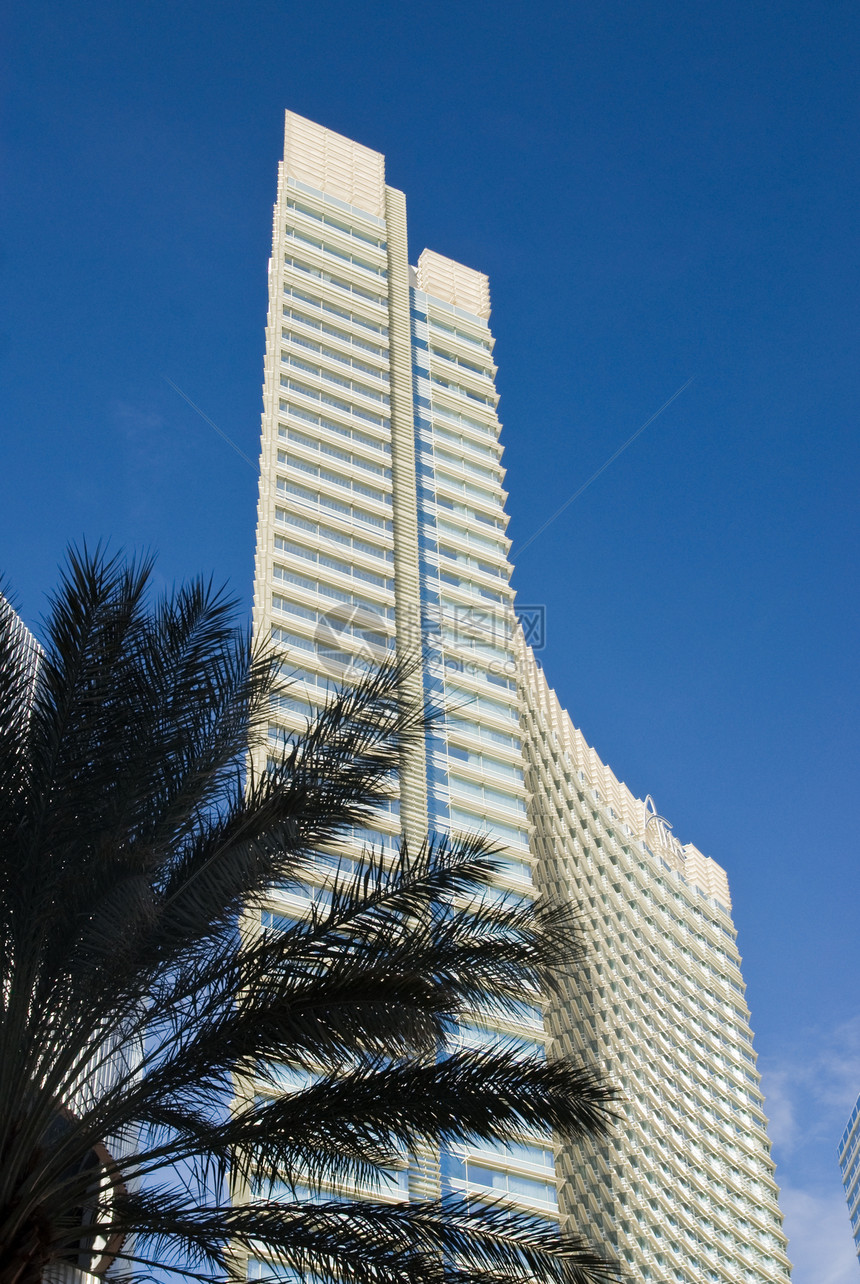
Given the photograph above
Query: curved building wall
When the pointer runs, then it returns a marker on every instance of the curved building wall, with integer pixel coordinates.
(684, 1190)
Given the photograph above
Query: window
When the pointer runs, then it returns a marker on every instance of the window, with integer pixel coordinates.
(377, 242)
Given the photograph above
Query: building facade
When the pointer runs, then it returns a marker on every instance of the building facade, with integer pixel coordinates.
(685, 1189)
(849, 1164)
(382, 531)
(26, 646)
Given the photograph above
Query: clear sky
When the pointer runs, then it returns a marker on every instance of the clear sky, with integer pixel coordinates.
(656, 191)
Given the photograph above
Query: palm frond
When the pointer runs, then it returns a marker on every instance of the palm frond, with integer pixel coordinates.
(447, 1241)
(142, 996)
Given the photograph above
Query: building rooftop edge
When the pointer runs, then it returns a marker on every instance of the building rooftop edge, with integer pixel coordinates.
(640, 814)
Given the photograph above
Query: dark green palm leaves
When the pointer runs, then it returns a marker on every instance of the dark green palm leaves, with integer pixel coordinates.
(149, 1022)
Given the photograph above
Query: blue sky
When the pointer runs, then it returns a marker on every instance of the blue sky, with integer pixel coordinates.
(656, 191)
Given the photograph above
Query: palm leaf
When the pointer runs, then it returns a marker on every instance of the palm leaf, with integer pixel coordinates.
(142, 999)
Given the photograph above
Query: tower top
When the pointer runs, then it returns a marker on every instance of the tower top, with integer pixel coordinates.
(454, 283)
(334, 164)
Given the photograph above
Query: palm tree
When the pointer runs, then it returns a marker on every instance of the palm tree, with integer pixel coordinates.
(150, 1019)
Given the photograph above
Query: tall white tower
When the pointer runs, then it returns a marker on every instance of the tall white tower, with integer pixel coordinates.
(382, 529)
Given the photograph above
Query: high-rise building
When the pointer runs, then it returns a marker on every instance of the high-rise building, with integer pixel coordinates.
(382, 530)
(849, 1163)
(685, 1188)
(26, 646)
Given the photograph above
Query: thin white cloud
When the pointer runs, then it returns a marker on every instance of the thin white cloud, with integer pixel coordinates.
(781, 1112)
(809, 1095)
(820, 1244)
(142, 431)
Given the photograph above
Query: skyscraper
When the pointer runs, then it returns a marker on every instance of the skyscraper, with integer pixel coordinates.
(382, 530)
(849, 1163)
